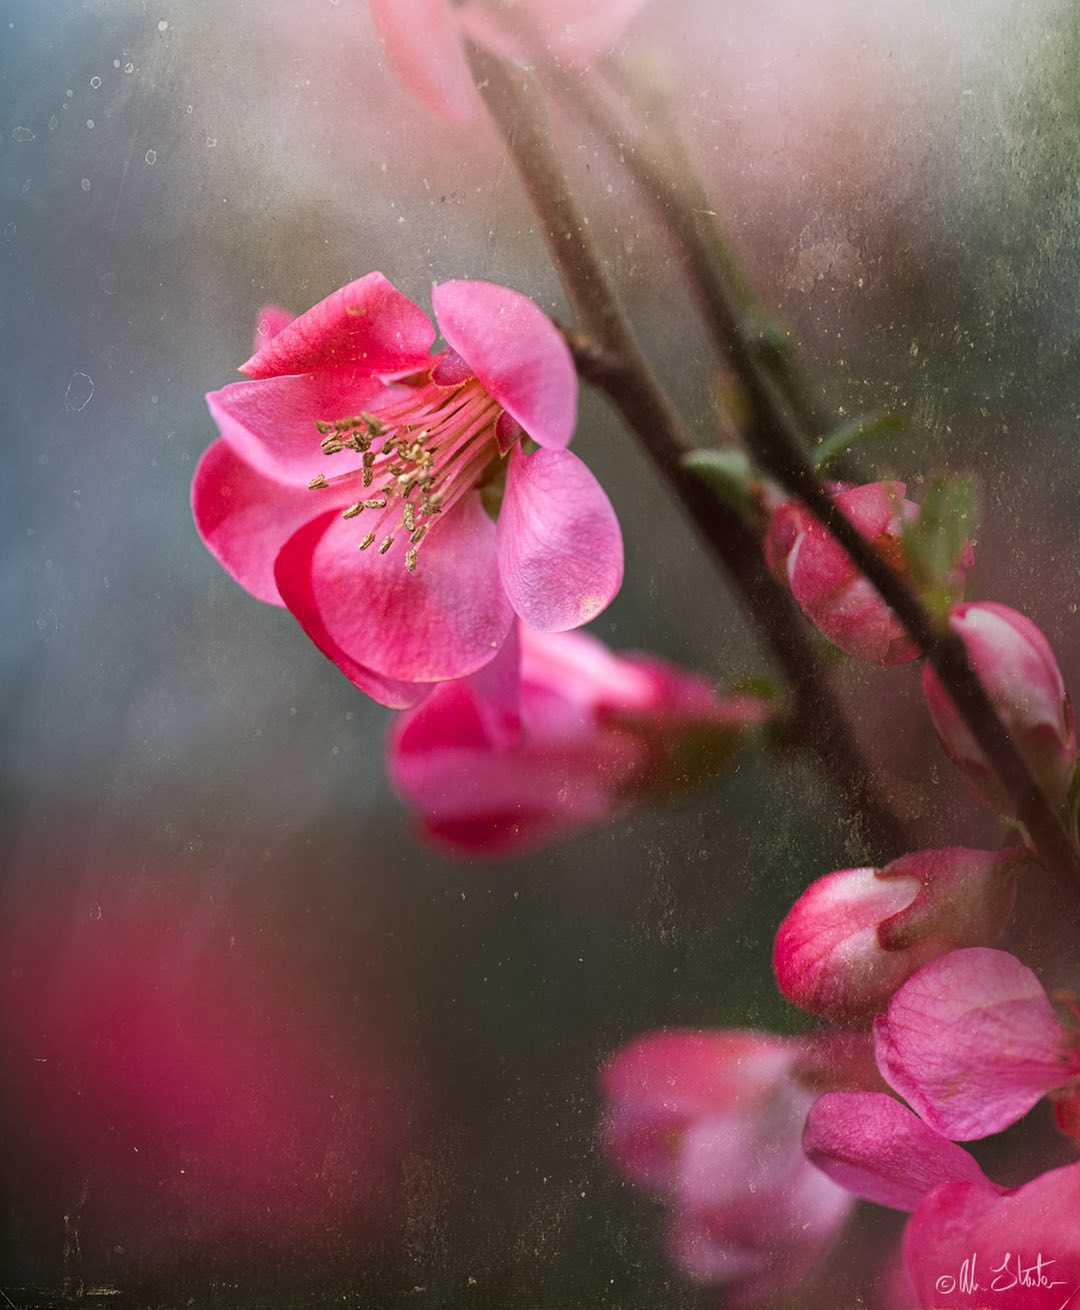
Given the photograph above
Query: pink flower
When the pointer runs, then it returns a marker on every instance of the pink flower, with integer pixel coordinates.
(389, 560)
(711, 1122)
(970, 1246)
(570, 736)
(833, 594)
(972, 1042)
(855, 935)
(423, 40)
(1015, 664)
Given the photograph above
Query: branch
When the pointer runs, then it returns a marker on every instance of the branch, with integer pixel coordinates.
(616, 364)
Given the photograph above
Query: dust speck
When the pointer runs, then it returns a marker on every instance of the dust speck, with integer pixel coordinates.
(107, 282)
(79, 393)
(85, 184)
(53, 122)
(151, 157)
(129, 68)
(211, 141)
(95, 82)
(116, 63)
(9, 232)
(22, 134)
(90, 124)
(163, 25)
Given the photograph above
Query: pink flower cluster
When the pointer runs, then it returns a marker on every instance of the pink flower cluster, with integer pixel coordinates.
(441, 560)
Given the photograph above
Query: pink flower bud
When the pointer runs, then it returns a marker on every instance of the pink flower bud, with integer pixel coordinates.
(832, 592)
(855, 935)
(1015, 664)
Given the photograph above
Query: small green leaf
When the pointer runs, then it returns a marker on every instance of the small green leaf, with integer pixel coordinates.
(728, 474)
(934, 542)
(849, 435)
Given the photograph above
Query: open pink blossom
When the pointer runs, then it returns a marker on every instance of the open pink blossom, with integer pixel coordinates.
(832, 592)
(855, 935)
(970, 1246)
(711, 1122)
(388, 558)
(423, 39)
(588, 735)
(972, 1042)
(1016, 665)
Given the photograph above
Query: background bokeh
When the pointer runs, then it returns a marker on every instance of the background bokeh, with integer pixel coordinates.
(260, 1046)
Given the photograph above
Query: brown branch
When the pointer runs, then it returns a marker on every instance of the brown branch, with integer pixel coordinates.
(615, 363)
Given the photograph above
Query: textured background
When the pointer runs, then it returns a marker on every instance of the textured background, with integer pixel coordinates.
(260, 1046)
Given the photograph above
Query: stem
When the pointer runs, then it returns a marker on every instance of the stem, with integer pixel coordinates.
(616, 365)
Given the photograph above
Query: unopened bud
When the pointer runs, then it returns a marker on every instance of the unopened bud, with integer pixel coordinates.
(856, 935)
(1016, 666)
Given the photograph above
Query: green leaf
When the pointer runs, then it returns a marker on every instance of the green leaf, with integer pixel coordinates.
(849, 435)
(934, 542)
(728, 474)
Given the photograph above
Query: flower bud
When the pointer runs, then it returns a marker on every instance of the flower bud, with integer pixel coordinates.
(855, 935)
(1016, 666)
(831, 591)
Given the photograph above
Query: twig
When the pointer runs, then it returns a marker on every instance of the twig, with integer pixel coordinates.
(615, 363)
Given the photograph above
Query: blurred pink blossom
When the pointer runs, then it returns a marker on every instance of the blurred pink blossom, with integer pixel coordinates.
(556, 737)
(424, 39)
(711, 1122)
(417, 441)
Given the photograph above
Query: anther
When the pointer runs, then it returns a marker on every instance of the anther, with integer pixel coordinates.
(353, 510)
(323, 427)
(368, 540)
(379, 503)
(374, 424)
(410, 559)
(409, 515)
(386, 543)
(418, 534)
(331, 445)
(317, 483)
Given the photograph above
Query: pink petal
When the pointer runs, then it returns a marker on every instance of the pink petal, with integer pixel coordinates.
(874, 1146)
(657, 1086)
(994, 1239)
(423, 43)
(269, 321)
(367, 323)
(271, 424)
(516, 352)
(244, 518)
(560, 547)
(444, 621)
(971, 1041)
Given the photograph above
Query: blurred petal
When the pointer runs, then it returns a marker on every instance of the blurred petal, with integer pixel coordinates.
(560, 547)
(367, 323)
(874, 1146)
(271, 424)
(516, 352)
(444, 621)
(423, 44)
(972, 1042)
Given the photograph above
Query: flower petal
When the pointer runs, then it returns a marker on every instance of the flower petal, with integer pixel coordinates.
(516, 352)
(444, 621)
(244, 517)
(271, 424)
(967, 1227)
(560, 547)
(874, 1146)
(971, 1042)
(422, 42)
(367, 323)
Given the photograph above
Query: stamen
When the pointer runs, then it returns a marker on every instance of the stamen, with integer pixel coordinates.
(368, 540)
(317, 483)
(386, 543)
(410, 559)
(353, 510)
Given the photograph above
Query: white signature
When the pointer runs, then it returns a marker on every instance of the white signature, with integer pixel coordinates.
(1013, 1272)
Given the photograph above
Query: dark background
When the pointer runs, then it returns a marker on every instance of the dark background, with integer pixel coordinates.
(261, 1047)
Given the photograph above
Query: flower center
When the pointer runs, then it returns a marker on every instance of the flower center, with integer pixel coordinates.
(420, 453)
